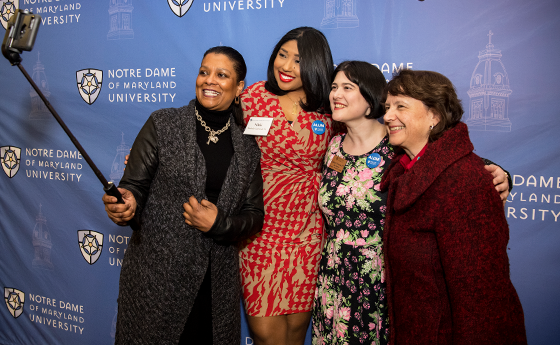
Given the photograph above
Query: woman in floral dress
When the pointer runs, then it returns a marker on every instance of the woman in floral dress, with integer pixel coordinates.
(350, 304)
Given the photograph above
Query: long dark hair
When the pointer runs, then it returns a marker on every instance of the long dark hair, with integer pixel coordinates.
(240, 70)
(316, 67)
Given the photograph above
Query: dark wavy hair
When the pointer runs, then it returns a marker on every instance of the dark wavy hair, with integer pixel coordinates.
(371, 82)
(316, 67)
(435, 91)
(240, 69)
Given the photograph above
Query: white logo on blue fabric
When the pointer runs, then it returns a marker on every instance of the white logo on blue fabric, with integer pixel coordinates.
(89, 84)
(91, 245)
(15, 300)
(120, 20)
(180, 7)
(340, 14)
(7, 10)
(373, 160)
(489, 92)
(9, 158)
(318, 127)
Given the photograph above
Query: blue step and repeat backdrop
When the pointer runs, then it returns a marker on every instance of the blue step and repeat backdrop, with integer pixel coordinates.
(106, 65)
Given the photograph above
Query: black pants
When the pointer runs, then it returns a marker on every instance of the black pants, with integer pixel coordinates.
(198, 329)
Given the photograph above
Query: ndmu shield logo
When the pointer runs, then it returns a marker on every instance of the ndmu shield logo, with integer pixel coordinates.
(7, 10)
(180, 7)
(15, 299)
(89, 84)
(10, 158)
(91, 245)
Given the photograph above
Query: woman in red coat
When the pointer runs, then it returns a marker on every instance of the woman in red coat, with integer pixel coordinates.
(446, 233)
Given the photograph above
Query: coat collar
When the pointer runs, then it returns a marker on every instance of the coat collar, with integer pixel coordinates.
(452, 146)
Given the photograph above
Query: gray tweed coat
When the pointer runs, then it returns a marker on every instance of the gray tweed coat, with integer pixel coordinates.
(166, 259)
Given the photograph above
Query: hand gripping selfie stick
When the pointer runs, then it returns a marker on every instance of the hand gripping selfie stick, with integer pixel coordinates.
(20, 35)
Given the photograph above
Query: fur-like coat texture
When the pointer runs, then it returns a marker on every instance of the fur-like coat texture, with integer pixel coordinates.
(166, 259)
(445, 243)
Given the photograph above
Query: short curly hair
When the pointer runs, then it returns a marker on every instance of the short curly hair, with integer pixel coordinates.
(434, 90)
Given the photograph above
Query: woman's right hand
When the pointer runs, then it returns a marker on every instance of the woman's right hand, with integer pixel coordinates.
(120, 213)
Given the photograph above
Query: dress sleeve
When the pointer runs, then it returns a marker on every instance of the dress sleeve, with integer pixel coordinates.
(472, 236)
(510, 181)
(248, 221)
(142, 166)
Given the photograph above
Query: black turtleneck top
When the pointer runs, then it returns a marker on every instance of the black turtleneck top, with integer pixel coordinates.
(216, 155)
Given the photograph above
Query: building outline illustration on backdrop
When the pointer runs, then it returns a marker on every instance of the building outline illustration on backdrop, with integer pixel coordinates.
(180, 7)
(89, 82)
(10, 158)
(7, 10)
(15, 300)
(489, 92)
(39, 110)
(340, 14)
(120, 20)
(42, 242)
(117, 168)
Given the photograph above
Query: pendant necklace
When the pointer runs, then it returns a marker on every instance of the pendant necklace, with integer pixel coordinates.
(212, 134)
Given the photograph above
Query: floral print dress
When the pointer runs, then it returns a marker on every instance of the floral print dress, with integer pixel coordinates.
(350, 305)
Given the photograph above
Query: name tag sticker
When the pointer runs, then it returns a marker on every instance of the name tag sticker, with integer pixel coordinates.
(258, 126)
(337, 164)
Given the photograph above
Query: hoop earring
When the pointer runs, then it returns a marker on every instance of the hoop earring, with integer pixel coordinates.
(237, 100)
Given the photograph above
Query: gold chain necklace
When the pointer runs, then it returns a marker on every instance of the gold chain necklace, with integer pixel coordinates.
(295, 106)
(212, 134)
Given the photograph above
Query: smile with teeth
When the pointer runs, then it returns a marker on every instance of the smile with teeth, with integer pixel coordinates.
(396, 128)
(339, 106)
(211, 93)
(285, 78)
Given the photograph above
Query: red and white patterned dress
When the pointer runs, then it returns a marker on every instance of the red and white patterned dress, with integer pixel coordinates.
(279, 264)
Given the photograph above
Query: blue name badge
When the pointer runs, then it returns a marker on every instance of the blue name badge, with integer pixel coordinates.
(373, 160)
(318, 127)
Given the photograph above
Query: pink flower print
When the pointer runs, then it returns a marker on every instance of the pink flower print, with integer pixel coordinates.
(350, 174)
(340, 214)
(383, 208)
(344, 313)
(364, 233)
(376, 187)
(330, 312)
(371, 226)
(371, 326)
(357, 223)
(342, 190)
(340, 329)
(365, 174)
(355, 329)
(348, 223)
(366, 305)
(360, 242)
(368, 184)
(382, 221)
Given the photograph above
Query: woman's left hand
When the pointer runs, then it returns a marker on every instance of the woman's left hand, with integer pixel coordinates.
(200, 215)
(500, 180)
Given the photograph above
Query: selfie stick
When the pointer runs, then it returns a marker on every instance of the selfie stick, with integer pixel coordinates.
(20, 35)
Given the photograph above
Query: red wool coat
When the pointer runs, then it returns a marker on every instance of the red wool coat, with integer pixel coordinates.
(445, 249)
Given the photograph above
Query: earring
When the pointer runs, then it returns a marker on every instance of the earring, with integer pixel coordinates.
(368, 111)
(431, 127)
(237, 100)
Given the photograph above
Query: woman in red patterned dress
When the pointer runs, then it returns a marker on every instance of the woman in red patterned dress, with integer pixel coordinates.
(279, 265)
